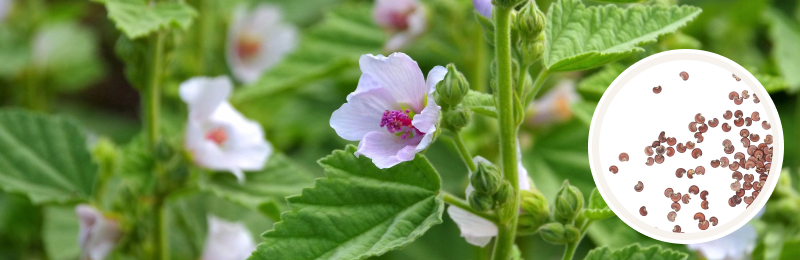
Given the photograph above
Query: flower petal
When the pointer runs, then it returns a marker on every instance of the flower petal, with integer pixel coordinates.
(227, 240)
(484, 7)
(474, 229)
(204, 94)
(434, 76)
(387, 150)
(276, 40)
(363, 111)
(399, 75)
(97, 235)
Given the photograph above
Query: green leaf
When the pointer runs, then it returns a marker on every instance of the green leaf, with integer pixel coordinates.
(60, 233)
(138, 18)
(73, 68)
(263, 190)
(791, 249)
(635, 252)
(327, 49)
(598, 209)
(187, 226)
(45, 158)
(785, 34)
(580, 38)
(584, 110)
(480, 103)
(358, 211)
(772, 83)
(614, 233)
(593, 86)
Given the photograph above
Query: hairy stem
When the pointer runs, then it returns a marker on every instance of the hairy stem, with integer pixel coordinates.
(462, 150)
(507, 227)
(151, 103)
(455, 201)
(570, 250)
(537, 85)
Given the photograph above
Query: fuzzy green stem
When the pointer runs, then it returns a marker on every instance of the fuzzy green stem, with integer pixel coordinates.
(537, 85)
(161, 242)
(455, 201)
(507, 227)
(521, 80)
(152, 100)
(570, 250)
(462, 150)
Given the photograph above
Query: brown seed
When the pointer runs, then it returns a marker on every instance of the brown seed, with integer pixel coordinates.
(749, 165)
(699, 137)
(752, 149)
(671, 141)
(704, 195)
(755, 99)
(734, 166)
(745, 95)
(643, 211)
(733, 95)
(685, 199)
(676, 206)
(748, 121)
(728, 115)
(726, 127)
(755, 194)
(737, 199)
(740, 193)
(726, 143)
(676, 229)
(738, 114)
(655, 144)
(659, 159)
(703, 225)
(668, 192)
(738, 101)
(768, 139)
(690, 145)
(657, 89)
(623, 157)
(662, 137)
(731, 201)
(694, 189)
(758, 154)
(638, 187)
(739, 122)
(660, 149)
(729, 150)
(649, 161)
(748, 200)
(745, 142)
(680, 148)
(747, 185)
(714, 221)
(755, 116)
(675, 197)
(700, 170)
(670, 151)
(696, 153)
(693, 127)
(714, 163)
(723, 161)
(690, 173)
(737, 79)
(736, 186)
(684, 75)
(738, 156)
(699, 118)
(704, 204)
(679, 172)
(699, 216)
(736, 175)
(765, 125)
(671, 216)
(703, 128)
(744, 133)
(713, 122)
(648, 150)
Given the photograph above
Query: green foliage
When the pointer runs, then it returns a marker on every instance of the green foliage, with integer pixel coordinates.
(45, 158)
(72, 68)
(265, 189)
(138, 18)
(785, 35)
(598, 209)
(328, 48)
(60, 233)
(358, 211)
(480, 103)
(635, 251)
(593, 86)
(580, 37)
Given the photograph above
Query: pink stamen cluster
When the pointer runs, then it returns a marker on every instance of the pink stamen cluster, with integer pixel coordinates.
(217, 136)
(395, 120)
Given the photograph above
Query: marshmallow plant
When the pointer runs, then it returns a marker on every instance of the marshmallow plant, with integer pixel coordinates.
(98, 234)
(258, 39)
(405, 20)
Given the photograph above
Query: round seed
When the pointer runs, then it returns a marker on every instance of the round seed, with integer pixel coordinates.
(623, 157)
(737, 79)
(731, 201)
(650, 161)
(729, 149)
(740, 193)
(704, 195)
(749, 165)
(648, 150)
(748, 200)
(703, 225)
(714, 163)
(714, 221)
(638, 187)
(755, 99)
(752, 149)
(699, 118)
(748, 121)
(685, 199)
(736, 175)
(704, 204)
(747, 185)
(755, 116)
(745, 142)
(755, 194)
(671, 216)
(768, 139)
(726, 127)
(680, 148)
(699, 137)
(736, 186)
(738, 101)
(696, 153)
(659, 159)
(675, 197)
(671, 141)
(699, 216)
(660, 149)
(694, 189)
(700, 170)
(738, 156)
(713, 122)
(676, 229)
(670, 151)
(684, 75)
(668, 192)
(655, 144)
(703, 128)
(738, 122)
(690, 145)
(723, 161)
(693, 127)
(728, 115)
(657, 89)
(734, 166)
(738, 114)
(676, 206)
(679, 173)
(765, 125)
(643, 211)
(733, 95)
(690, 173)
(745, 95)
(744, 133)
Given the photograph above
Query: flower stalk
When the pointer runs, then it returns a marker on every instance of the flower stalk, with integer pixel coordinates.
(151, 103)
(455, 201)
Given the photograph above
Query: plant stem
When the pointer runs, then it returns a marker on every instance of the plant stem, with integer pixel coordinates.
(570, 250)
(152, 100)
(537, 85)
(462, 150)
(455, 201)
(521, 80)
(161, 242)
(507, 227)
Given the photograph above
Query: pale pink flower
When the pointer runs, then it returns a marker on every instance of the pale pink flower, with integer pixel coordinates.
(404, 19)
(227, 241)
(484, 7)
(5, 8)
(556, 105)
(257, 40)
(98, 235)
(735, 246)
(477, 230)
(392, 111)
(218, 136)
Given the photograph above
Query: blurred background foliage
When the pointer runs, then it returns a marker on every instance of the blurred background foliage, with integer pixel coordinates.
(60, 57)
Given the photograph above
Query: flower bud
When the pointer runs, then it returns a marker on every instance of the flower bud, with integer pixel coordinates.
(559, 234)
(504, 194)
(569, 202)
(533, 50)
(486, 179)
(530, 22)
(480, 202)
(105, 154)
(452, 89)
(457, 118)
(534, 211)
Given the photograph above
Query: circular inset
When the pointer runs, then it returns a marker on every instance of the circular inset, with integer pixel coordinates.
(751, 153)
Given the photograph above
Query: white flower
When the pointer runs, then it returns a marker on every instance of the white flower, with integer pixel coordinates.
(257, 40)
(217, 135)
(476, 230)
(404, 19)
(556, 105)
(98, 235)
(735, 246)
(392, 111)
(5, 7)
(227, 241)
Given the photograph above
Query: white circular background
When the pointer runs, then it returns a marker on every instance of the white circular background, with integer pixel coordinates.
(630, 116)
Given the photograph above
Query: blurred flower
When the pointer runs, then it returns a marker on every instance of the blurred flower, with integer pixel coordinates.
(227, 241)
(477, 230)
(257, 40)
(98, 235)
(735, 246)
(5, 7)
(217, 135)
(484, 7)
(556, 105)
(392, 111)
(405, 19)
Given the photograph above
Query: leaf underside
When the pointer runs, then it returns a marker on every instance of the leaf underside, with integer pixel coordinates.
(137, 18)
(635, 251)
(579, 37)
(45, 158)
(598, 209)
(357, 211)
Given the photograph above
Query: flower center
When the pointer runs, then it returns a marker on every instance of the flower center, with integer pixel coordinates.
(218, 136)
(399, 19)
(398, 122)
(248, 46)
